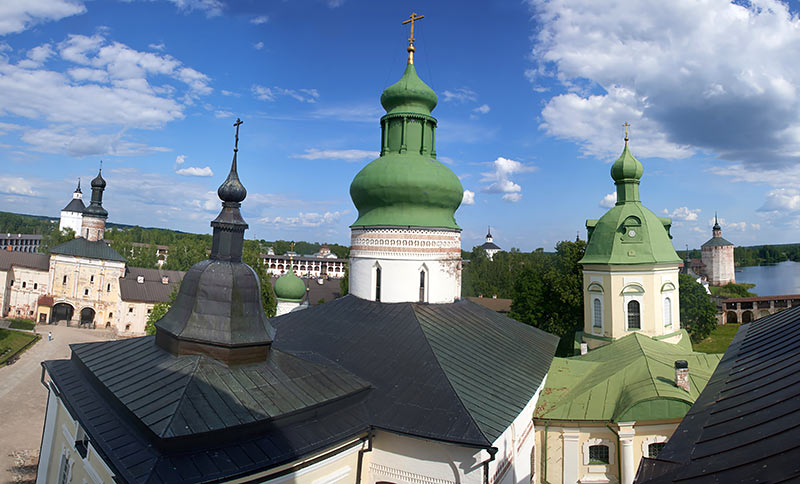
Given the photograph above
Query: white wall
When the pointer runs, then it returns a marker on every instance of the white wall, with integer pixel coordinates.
(71, 220)
(401, 254)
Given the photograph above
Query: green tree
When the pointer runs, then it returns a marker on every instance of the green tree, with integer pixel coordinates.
(185, 253)
(251, 255)
(158, 312)
(55, 238)
(143, 256)
(548, 294)
(344, 283)
(698, 312)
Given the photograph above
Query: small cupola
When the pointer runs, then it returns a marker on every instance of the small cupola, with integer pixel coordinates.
(218, 311)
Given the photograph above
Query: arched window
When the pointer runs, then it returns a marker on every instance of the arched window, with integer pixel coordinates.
(378, 284)
(667, 311)
(634, 315)
(421, 286)
(597, 312)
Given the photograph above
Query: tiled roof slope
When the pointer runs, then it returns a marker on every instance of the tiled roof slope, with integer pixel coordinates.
(629, 379)
(31, 260)
(745, 426)
(152, 290)
(81, 247)
(453, 372)
(716, 242)
(134, 458)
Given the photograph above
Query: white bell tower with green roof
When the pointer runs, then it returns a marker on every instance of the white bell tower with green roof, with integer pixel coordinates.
(406, 245)
(630, 268)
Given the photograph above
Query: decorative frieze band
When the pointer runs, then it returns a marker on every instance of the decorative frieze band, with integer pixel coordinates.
(415, 243)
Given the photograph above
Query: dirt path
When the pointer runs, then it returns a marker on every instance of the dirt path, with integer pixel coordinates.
(23, 400)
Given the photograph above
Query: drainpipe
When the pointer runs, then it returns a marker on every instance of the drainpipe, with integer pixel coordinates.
(619, 453)
(361, 453)
(492, 452)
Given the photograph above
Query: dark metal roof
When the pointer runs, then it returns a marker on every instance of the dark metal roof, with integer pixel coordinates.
(745, 425)
(489, 246)
(453, 372)
(128, 447)
(74, 205)
(31, 260)
(80, 247)
(716, 242)
(152, 290)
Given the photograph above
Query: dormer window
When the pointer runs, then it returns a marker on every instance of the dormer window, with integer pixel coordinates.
(632, 230)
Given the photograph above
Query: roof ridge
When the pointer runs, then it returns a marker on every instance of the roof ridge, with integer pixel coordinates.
(414, 307)
(651, 375)
(183, 397)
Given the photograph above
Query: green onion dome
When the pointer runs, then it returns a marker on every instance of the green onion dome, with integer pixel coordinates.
(289, 287)
(406, 185)
(626, 167)
(629, 233)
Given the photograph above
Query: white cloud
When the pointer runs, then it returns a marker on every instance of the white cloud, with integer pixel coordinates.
(782, 200)
(683, 213)
(350, 156)
(460, 95)
(229, 93)
(15, 185)
(469, 198)
(271, 93)
(500, 178)
(689, 76)
(334, 3)
(261, 19)
(159, 47)
(258, 45)
(212, 8)
(219, 113)
(482, 109)
(18, 15)
(609, 200)
(306, 219)
(103, 92)
(190, 170)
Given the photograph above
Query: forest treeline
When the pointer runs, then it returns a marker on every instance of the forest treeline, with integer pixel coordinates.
(756, 255)
(185, 249)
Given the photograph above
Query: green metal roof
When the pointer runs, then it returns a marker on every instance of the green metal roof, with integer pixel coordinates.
(406, 185)
(81, 247)
(717, 242)
(630, 379)
(629, 233)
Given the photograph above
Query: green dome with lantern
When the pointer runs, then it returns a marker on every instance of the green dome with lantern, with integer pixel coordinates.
(629, 233)
(407, 185)
(289, 287)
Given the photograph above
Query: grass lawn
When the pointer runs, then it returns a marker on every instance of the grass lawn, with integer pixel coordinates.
(21, 324)
(718, 340)
(12, 341)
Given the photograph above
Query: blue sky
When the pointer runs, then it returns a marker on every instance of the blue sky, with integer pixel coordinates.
(532, 96)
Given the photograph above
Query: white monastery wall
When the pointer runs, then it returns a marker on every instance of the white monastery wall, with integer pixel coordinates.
(23, 296)
(83, 282)
(71, 220)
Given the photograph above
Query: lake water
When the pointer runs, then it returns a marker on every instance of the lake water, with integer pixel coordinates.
(772, 280)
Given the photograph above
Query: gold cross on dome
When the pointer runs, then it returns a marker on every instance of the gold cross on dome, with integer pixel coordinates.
(411, 19)
(626, 126)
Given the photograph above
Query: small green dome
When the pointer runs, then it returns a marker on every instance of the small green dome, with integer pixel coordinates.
(409, 95)
(290, 287)
(626, 167)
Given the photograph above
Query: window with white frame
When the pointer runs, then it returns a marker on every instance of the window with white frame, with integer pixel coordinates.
(597, 313)
(598, 451)
(651, 446)
(634, 315)
(654, 449)
(667, 311)
(64, 469)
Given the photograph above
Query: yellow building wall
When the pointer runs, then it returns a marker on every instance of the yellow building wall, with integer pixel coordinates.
(558, 462)
(97, 277)
(132, 318)
(615, 286)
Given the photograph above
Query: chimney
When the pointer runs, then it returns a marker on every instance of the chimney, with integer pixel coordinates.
(682, 374)
(164, 279)
(584, 348)
(140, 279)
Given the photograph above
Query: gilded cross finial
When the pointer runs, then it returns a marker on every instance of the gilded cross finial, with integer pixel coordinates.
(411, 19)
(291, 256)
(626, 126)
(238, 123)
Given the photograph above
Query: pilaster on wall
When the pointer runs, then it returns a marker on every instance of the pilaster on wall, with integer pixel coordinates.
(572, 453)
(626, 435)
